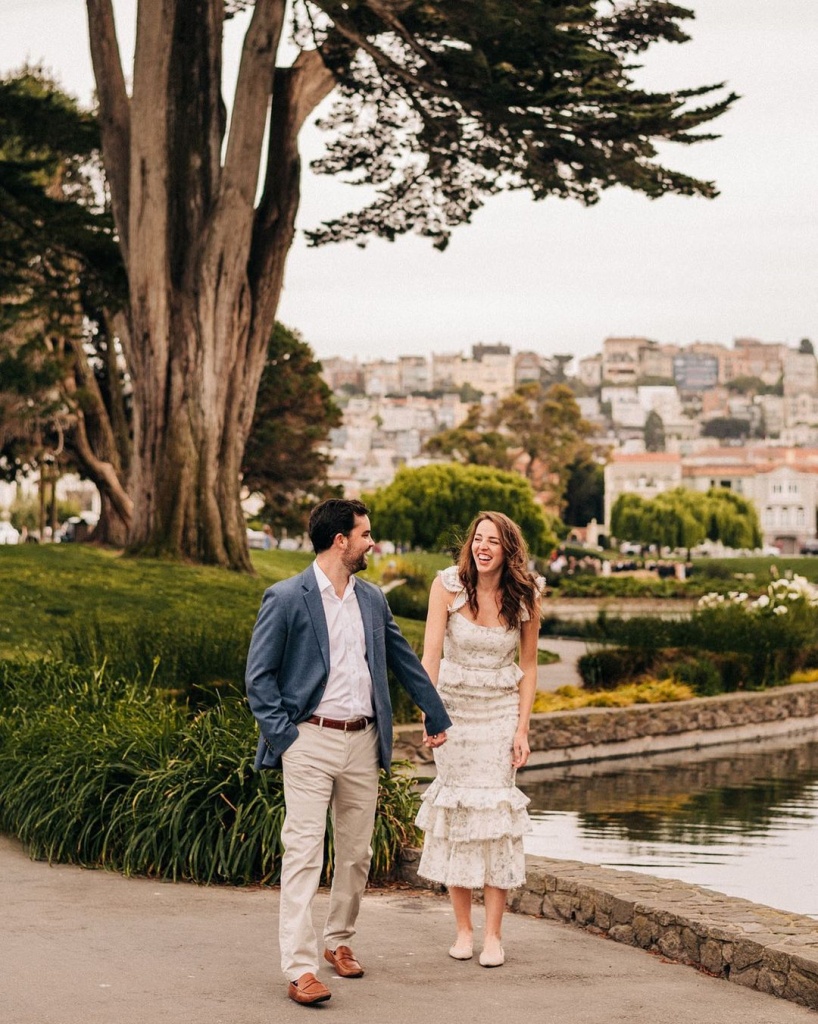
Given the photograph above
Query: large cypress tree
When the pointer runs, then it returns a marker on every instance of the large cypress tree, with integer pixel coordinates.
(439, 105)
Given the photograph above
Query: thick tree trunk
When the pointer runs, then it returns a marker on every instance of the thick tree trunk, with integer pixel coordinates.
(186, 465)
(111, 529)
(205, 267)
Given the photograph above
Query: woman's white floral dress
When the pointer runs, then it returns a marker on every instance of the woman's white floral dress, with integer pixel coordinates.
(473, 815)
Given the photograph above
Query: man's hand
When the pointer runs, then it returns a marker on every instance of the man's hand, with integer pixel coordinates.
(434, 741)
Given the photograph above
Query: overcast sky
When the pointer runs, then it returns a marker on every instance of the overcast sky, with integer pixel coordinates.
(553, 276)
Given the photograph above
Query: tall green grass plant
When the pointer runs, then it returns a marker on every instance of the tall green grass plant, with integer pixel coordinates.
(102, 771)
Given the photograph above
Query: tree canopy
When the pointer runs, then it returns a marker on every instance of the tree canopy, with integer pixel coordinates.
(431, 507)
(295, 411)
(654, 432)
(472, 443)
(539, 430)
(585, 492)
(439, 105)
(442, 104)
(682, 518)
(727, 428)
(62, 286)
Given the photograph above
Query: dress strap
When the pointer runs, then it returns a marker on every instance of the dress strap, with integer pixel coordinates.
(450, 578)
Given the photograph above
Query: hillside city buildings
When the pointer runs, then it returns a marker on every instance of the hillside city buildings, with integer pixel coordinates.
(743, 417)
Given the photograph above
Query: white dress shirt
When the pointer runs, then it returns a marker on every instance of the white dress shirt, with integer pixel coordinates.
(348, 693)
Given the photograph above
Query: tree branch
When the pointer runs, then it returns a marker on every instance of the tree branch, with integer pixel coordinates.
(149, 208)
(298, 91)
(313, 82)
(103, 471)
(114, 110)
(253, 90)
(385, 63)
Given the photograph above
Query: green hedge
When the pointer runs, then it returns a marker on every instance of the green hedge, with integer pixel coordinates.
(103, 771)
(716, 650)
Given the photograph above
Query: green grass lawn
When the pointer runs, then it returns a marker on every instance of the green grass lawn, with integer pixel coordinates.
(800, 565)
(50, 590)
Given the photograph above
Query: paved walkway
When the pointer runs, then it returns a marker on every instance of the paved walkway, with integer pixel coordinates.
(563, 672)
(91, 947)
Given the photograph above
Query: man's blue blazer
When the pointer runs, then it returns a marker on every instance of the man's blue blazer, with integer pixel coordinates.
(288, 665)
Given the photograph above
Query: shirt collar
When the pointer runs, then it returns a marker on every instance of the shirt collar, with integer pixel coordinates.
(325, 583)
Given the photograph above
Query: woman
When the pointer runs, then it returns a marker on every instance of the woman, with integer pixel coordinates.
(482, 611)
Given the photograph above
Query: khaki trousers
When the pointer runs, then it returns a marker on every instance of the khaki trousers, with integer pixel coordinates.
(325, 769)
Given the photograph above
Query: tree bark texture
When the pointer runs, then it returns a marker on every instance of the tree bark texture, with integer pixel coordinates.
(205, 266)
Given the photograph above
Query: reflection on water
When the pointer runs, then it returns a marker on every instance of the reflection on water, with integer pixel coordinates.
(743, 821)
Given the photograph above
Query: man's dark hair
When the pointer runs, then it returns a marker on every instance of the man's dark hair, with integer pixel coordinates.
(331, 517)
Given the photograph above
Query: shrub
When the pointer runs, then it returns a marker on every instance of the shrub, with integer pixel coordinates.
(809, 656)
(411, 600)
(714, 571)
(730, 642)
(810, 675)
(698, 673)
(144, 785)
(734, 668)
(617, 586)
(552, 626)
(608, 667)
(649, 691)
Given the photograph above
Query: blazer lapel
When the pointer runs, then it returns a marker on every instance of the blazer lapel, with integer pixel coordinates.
(365, 604)
(315, 607)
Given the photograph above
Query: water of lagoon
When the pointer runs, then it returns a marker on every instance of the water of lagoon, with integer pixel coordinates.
(742, 821)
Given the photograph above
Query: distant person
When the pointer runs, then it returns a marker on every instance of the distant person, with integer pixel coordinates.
(269, 541)
(482, 612)
(317, 685)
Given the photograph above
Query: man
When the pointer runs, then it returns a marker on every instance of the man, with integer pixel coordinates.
(317, 685)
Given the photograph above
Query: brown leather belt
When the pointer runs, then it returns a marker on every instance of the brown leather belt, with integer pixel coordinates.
(353, 725)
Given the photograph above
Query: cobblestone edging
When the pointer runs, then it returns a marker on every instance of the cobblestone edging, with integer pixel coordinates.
(593, 734)
(746, 943)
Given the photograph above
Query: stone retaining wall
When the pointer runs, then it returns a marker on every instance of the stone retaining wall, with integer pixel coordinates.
(591, 734)
(746, 943)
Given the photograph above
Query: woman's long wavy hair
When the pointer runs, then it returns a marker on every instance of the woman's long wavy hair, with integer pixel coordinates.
(518, 586)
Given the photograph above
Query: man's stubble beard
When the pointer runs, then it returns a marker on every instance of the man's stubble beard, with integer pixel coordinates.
(358, 565)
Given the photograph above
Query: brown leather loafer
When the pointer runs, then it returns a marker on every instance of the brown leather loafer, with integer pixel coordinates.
(308, 989)
(344, 962)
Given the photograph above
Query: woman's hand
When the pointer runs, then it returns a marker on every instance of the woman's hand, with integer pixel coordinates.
(521, 750)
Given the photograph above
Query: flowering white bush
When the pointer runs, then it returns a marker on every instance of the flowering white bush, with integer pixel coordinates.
(776, 601)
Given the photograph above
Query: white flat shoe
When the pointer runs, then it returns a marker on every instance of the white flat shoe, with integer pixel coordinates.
(465, 952)
(493, 959)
